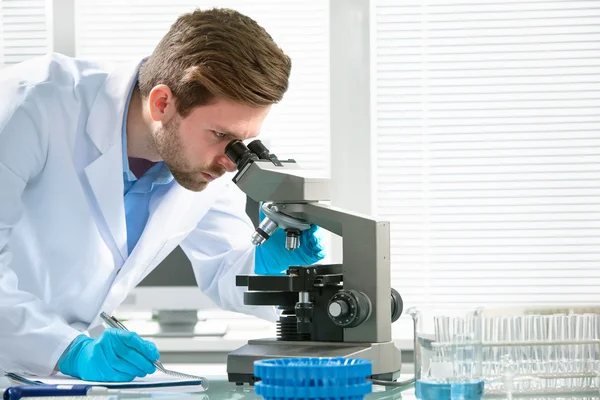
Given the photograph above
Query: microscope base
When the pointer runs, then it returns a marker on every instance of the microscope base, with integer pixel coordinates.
(240, 363)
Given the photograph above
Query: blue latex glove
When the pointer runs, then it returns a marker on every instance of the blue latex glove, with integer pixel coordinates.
(272, 258)
(115, 356)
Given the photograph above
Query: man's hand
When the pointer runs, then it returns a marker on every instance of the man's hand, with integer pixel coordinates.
(272, 258)
(115, 356)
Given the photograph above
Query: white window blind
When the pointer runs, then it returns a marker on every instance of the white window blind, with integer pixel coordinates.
(24, 30)
(488, 150)
(298, 127)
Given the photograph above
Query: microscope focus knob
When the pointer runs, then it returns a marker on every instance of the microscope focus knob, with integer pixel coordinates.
(349, 308)
(338, 308)
(397, 305)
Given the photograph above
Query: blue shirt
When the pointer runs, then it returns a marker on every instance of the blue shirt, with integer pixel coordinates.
(138, 192)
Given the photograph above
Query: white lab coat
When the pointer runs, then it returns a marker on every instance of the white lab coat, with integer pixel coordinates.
(63, 242)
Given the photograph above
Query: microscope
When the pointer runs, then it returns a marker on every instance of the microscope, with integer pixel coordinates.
(337, 310)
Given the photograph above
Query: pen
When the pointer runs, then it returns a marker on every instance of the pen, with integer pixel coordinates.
(17, 392)
(115, 323)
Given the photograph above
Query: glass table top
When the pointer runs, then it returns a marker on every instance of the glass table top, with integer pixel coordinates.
(221, 389)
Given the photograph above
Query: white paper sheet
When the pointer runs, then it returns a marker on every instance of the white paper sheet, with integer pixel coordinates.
(157, 381)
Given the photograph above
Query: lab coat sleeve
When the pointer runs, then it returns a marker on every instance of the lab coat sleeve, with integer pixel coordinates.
(32, 335)
(219, 248)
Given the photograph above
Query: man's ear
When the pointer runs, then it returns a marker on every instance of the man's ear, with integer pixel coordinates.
(161, 103)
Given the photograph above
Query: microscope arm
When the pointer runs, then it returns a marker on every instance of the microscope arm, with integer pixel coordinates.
(330, 218)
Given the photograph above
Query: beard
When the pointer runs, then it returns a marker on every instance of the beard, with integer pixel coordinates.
(167, 143)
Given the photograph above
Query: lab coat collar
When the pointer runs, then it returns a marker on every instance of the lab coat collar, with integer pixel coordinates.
(105, 121)
(105, 176)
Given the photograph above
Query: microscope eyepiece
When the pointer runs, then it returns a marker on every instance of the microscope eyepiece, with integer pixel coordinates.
(263, 153)
(259, 149)
(237, 152)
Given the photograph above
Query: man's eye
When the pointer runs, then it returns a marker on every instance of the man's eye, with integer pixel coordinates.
(219, 134)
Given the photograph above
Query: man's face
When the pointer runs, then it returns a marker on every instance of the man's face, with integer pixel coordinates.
(194, 147)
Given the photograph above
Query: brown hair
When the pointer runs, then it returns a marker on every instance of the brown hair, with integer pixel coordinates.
(217, 53)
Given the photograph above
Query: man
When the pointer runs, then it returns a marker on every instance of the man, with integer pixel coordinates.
(103, 174)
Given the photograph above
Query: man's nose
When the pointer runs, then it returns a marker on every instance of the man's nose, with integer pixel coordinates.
(226, 163)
